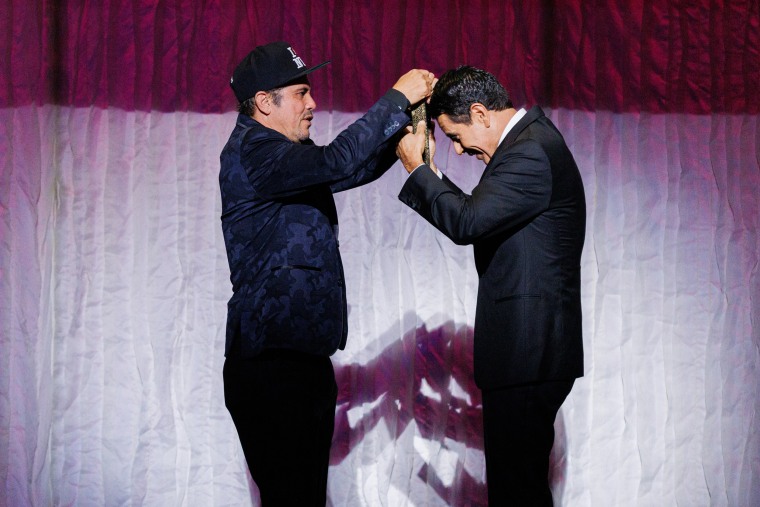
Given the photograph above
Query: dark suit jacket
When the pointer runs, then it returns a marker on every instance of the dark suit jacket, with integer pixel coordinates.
(526, 220)
(280, 228)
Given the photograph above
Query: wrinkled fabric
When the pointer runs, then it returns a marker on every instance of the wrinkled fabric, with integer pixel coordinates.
(115, 284)
(114, 278)
(657, 56)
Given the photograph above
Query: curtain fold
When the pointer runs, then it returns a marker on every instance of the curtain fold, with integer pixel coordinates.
(658, 56)
(115, 281)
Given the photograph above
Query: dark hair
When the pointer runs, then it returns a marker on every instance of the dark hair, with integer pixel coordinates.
(246, 107)
(459, 88)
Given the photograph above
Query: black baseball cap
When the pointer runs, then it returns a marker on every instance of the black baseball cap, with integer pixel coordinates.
(267, 67)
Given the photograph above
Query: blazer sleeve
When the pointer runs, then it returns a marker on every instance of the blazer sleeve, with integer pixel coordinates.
(377, 165)
(277, 167)
(515, 187)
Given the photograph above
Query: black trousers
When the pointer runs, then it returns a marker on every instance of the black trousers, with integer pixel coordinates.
(518, 430)
(283, 406)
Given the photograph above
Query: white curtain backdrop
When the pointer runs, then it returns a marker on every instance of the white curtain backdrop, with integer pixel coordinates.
(115, 281)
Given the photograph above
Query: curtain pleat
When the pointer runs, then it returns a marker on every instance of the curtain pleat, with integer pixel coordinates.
(115, 280)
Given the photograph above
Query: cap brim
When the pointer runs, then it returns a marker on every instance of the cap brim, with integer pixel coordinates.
(303, 73)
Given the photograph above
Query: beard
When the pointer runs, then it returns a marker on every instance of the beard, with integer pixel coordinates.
(304, 134)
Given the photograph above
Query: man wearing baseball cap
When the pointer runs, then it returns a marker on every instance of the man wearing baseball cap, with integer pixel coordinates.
(287, 314)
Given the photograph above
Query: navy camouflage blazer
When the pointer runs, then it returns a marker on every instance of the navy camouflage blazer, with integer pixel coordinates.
(281, 228)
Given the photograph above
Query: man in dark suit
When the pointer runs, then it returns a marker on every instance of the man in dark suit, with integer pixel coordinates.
(526, 221)
(287, 314)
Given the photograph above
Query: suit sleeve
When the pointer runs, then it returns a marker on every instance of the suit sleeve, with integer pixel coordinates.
(514, 190)
(277, 167)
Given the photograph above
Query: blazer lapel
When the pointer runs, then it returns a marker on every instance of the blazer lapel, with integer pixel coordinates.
(533, 114)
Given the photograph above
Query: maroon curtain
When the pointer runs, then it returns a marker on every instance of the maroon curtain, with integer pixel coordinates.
(688, 56)
(114, 280)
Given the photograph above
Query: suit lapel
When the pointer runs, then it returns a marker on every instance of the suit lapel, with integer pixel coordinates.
(533, 114)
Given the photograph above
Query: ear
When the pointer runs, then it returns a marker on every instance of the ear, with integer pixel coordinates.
(479, 113)
(263, 102)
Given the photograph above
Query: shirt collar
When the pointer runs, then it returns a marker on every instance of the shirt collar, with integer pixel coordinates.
(512, 122)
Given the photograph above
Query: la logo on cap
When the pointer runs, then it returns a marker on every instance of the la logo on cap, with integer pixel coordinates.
(296, 59)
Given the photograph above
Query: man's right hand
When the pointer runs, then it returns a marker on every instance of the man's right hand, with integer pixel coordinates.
(416, 85)
(410, 147)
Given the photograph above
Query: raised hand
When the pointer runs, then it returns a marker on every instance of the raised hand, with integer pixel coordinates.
(416, 85)
(411, 146)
